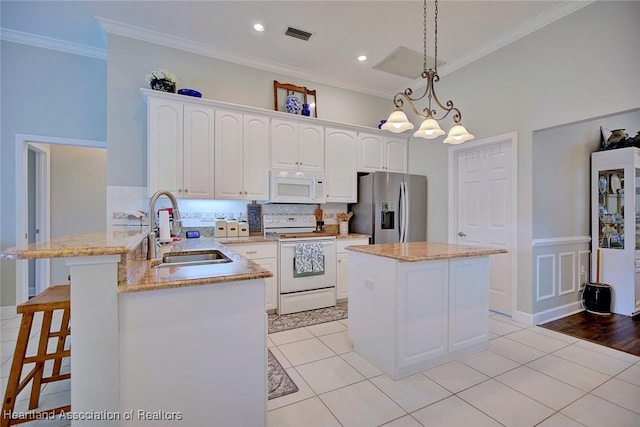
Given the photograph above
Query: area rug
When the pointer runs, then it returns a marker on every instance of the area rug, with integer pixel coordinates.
(279, 382)
(285, 322)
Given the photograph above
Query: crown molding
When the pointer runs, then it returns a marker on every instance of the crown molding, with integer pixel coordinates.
(53, 44)
(528, 27)
(143, 34)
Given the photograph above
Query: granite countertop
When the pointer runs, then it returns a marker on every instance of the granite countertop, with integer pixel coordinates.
(105, 242)
(424, 251)
(145, 277)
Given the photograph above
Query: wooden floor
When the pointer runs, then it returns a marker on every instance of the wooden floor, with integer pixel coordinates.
(615, 331)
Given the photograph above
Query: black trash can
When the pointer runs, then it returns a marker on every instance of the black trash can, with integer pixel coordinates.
(596, 298)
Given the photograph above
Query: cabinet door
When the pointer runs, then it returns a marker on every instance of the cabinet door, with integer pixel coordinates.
(284, 144)
(311, 148)
(370, 152)
(164, 146)
(256, 157)
(270, 264)
(342, 276)
(340, 168)
(468, 302)
(198, 163)
(422, 311)
(396, 155)
(228, 159)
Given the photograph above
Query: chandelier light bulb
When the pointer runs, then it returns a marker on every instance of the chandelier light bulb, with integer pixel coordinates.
(397, 122)
(457, 135)
(429, 129)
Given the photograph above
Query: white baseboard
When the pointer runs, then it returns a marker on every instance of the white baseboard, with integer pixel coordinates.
(522, 317)
(557, 313)
(8, 312)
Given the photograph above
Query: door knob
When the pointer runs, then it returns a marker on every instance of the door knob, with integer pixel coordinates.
(461, 234)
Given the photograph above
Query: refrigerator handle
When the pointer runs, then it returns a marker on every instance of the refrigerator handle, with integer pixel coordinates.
(402, 219)
(406, 213)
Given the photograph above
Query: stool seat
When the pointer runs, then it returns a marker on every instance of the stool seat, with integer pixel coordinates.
(56, 297)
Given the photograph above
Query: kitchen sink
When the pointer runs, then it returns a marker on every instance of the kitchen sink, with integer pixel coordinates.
(183, 259)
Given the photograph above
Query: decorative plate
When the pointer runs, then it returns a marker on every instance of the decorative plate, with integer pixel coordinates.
(615, 183)
(603, 185)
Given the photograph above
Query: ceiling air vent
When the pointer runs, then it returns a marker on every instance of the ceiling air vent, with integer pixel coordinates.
(298, 34)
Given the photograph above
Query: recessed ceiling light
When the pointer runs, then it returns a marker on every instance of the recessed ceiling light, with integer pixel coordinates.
(258, 27)
(362, 58)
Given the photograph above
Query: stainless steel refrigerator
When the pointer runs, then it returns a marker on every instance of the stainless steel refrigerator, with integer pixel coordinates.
(392, 207)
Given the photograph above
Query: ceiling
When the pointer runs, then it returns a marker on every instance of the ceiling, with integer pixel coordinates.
(342, 30)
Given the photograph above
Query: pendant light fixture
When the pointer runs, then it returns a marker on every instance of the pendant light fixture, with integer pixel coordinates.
(429, 129)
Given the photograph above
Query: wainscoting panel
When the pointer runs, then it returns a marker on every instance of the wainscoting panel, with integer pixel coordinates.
(561, 268)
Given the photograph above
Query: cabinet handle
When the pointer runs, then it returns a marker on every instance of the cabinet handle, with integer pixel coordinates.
(179, 190)
(251, 252)
(186, 190)
(461, 234)
(245, 193)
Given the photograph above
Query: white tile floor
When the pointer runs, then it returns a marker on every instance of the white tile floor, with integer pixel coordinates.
(529, 376)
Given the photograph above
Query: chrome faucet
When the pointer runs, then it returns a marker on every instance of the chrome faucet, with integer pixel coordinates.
(151, 236)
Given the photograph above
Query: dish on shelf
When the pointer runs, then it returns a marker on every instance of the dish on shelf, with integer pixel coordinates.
(603, 185)
(615, 183)
(190, 92)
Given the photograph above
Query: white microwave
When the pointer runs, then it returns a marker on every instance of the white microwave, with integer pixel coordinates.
(296, 187)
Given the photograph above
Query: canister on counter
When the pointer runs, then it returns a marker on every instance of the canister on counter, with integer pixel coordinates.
(243, 228)
(221, 228)
(232, 228)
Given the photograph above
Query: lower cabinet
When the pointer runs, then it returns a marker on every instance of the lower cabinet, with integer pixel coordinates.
(342, 266)
(264, 254)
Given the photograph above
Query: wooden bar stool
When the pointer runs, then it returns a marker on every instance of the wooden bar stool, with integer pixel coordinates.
(53, 298)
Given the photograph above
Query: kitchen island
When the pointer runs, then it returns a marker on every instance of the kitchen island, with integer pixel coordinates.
(173, 345)
(416, 305)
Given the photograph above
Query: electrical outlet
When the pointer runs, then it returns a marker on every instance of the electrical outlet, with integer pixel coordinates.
(328, 215)
(368, 283)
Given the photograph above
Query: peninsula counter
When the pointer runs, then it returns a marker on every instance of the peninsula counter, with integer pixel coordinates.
(416, 305)
(184, 342)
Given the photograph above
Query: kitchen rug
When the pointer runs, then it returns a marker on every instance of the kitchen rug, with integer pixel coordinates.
(279, 382)
(285, 322)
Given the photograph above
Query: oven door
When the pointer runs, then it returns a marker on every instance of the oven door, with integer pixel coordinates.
(293, 281)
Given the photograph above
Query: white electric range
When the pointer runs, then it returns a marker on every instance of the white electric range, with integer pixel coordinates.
(302, 290)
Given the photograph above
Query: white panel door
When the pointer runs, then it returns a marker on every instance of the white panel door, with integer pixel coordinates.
(311, 148)
(228, 162)
(396, 155)
(199, 162)
(340, 168)
(256, 157)
(284, 144)
(485, 206)
(164, 146)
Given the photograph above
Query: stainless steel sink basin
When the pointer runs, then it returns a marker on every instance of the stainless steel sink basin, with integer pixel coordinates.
(183, 259)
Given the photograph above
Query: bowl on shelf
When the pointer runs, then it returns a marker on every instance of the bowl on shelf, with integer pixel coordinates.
(190, 92)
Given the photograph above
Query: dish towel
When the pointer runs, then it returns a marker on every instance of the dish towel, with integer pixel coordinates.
(309, 258)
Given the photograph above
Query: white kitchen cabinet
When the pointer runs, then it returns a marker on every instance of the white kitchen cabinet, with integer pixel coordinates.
(241, 155)
(297, 146)
(264, 254)
(615, 216)
(340, 165)
(381, 153)
(180, 148)
(342, 266)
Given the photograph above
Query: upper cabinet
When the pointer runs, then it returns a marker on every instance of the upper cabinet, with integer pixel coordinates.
(241, 155)
(297, 146)
(382, 153)
(340, 165)
(180, 148)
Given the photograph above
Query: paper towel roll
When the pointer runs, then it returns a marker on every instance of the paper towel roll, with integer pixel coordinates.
(165, 233)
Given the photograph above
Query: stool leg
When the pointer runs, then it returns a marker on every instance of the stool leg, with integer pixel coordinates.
(16, 369)
(39, 366)
(64, 326)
